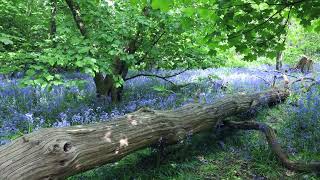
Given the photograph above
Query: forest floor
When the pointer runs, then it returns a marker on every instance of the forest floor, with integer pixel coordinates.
(235, 155)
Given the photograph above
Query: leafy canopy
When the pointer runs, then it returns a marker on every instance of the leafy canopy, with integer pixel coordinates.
(171, 34)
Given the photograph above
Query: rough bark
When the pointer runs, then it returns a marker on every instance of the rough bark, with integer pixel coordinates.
(56, 153)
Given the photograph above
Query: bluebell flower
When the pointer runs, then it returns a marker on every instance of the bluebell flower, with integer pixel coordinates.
(63, 123)
(29, 117)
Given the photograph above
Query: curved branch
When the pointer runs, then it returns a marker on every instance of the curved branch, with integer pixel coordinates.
(165, 78)
(275, 145)
(280, 72)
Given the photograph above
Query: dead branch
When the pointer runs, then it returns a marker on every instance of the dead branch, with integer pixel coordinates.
(275, 145)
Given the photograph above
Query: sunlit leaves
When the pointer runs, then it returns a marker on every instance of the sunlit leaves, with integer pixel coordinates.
(194, 33)
(316, 26)
(163, 5)
(6, 41)
(189, 11)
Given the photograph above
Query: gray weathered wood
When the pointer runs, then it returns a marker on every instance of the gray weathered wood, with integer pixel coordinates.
(56, 153)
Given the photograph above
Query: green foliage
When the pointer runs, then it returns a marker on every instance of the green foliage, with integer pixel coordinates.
(172, 34)
(163, 5)
(302, 41)
(254, 28)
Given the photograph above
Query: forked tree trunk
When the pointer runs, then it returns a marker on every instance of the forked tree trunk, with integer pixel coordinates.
(105, 84)
(56, 153)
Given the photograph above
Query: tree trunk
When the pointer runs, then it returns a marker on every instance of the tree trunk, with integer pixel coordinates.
(56, 153)
(105, 84)
(53, 25)
(75, 10)
(279, 60)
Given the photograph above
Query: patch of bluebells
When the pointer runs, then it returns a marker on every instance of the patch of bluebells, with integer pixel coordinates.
(303, 126)
(27, 109)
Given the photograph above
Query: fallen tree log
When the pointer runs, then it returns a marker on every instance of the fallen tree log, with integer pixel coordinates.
(56, 153)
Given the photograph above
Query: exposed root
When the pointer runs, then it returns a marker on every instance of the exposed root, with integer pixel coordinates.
(275, 146)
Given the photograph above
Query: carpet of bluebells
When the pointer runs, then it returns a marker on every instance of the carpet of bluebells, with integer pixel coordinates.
(26, 109)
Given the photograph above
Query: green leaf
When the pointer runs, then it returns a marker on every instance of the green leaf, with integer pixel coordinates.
(84, 50)
(134, 2)
(6, 41)
(49, 77)
(204, 13)
(189, 11)
(30, 72)
(163, 5)
(89, 71)
(80, 64)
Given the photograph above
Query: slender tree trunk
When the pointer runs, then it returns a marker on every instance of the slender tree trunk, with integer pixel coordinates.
(53, 25)
(56, 153)
(75, 10)
(279, 60)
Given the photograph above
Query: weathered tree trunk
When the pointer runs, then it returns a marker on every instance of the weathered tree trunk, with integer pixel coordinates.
(57, 153)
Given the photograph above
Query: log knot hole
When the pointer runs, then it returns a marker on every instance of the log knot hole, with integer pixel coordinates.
(67, 147)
